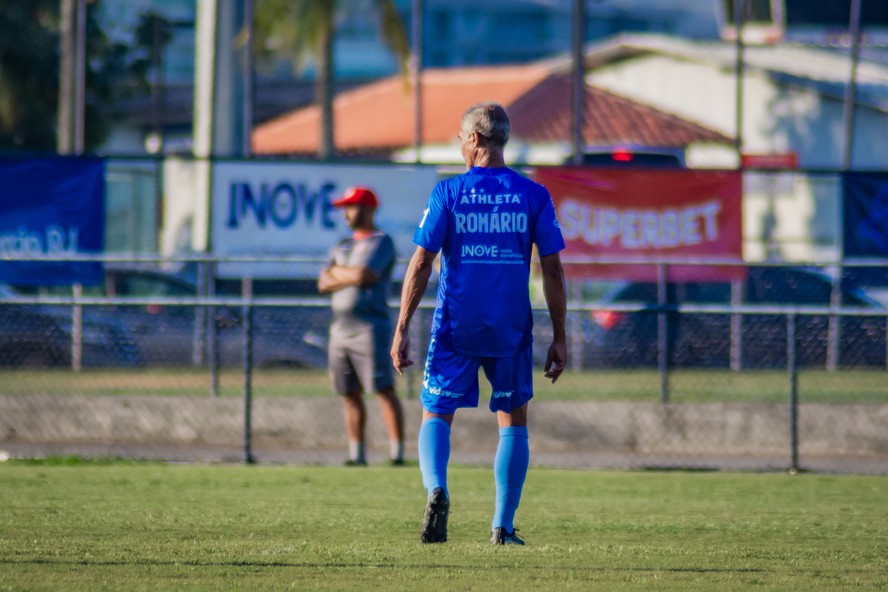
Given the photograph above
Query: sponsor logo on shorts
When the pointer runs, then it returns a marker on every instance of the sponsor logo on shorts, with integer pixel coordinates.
(437, 391)
(502, 394)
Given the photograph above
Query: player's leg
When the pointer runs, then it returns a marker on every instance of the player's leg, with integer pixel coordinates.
(355, 413)
(510, 471)
(434, 449)
(434, 456)
(379, 370)
(393, 416)
(346, 384)
(450, 381)
(511, 379)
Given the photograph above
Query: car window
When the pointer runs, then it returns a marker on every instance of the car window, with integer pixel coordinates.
(636, 292)
(707, 293)
(852, 296)
(787, 286)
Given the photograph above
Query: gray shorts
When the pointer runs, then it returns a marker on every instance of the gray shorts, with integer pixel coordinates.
(360, 362)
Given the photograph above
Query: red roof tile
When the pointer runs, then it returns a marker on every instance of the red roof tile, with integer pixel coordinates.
(544, 115)
(379, 117)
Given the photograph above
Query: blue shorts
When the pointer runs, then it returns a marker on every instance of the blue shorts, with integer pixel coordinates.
(450, 380)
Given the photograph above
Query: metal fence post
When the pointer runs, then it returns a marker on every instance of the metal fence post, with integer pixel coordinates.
(736, 326)
(248, 370)
(576, 331)
(415, 353)
(77, 329)
(834, 334)
(213, 337)
(200, 318)
(793, 393)
(662, 333)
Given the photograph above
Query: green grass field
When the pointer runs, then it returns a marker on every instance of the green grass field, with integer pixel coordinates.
(815, 386)
(121, 526)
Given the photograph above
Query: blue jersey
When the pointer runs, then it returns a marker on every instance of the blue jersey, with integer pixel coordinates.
(485, 223)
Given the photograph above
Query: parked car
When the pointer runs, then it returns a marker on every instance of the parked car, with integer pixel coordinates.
(173, 335)
(630, 339)
(41, 336)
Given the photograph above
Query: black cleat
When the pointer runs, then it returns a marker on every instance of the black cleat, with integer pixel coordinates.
(434, 524)
(500, 536)
(354, 463)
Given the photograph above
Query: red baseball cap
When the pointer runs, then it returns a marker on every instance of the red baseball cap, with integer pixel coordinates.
(357, 196)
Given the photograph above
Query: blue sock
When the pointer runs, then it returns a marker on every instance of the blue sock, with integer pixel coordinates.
(434, 453)
(510, 470)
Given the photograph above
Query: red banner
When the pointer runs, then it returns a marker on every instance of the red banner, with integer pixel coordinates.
(648, 215)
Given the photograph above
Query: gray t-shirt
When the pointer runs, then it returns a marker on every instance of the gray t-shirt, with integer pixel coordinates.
(360, 308)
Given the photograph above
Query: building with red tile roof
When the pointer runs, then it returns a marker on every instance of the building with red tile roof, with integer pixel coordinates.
(378, 120)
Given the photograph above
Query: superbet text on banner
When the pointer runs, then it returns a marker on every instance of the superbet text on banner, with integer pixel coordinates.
(649, 215)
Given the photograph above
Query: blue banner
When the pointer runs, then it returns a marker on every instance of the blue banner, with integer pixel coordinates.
(865, 228)
(51, 208)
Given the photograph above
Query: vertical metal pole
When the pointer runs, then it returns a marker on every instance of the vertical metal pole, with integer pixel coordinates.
(737, 286)
(213, 337)
(203, 143)
(415, 353)
(739, 5)
(416, 71)
(248, 370)
(247, 80)
(80, 80)
(793, 393)
(736, 326)
(77, 329)
(576, 331)
(835, 324)
(579, 40)
(68, 26)
(72, 77)
(662, 333)
(851, 89)
(200, 318)
(159, 98)
(834, 327)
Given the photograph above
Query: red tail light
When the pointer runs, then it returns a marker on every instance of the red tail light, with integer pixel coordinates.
(606, 319)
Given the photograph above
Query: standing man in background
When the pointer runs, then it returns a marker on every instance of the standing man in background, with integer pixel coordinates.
(485, 222)
(359, 277)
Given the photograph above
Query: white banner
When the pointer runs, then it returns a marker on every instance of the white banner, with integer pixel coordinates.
(275, 209)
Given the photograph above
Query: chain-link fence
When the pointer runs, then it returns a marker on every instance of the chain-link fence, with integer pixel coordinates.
(761, 373)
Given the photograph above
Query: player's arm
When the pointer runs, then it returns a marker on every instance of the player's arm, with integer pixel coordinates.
(337, 277)
(556, 300)
(416, 280)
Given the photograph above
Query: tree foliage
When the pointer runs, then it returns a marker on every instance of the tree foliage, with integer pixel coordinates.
(29, 73)
(304, 30)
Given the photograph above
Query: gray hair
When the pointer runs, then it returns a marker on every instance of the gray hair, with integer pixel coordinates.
(489, 120)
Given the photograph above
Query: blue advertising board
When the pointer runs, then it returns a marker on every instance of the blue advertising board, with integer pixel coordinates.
(865, 214)
(51, 208)
(865, 225)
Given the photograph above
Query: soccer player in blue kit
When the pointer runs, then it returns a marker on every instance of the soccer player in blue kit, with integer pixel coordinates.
(485, 223)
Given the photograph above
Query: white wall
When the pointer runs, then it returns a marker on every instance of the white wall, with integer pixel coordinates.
(792, 217)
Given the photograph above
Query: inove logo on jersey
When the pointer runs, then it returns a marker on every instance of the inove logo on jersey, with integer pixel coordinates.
(479, 251)
(281, 204)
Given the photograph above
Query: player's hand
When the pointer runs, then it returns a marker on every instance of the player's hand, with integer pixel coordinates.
(400, 345)
(556, 361)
